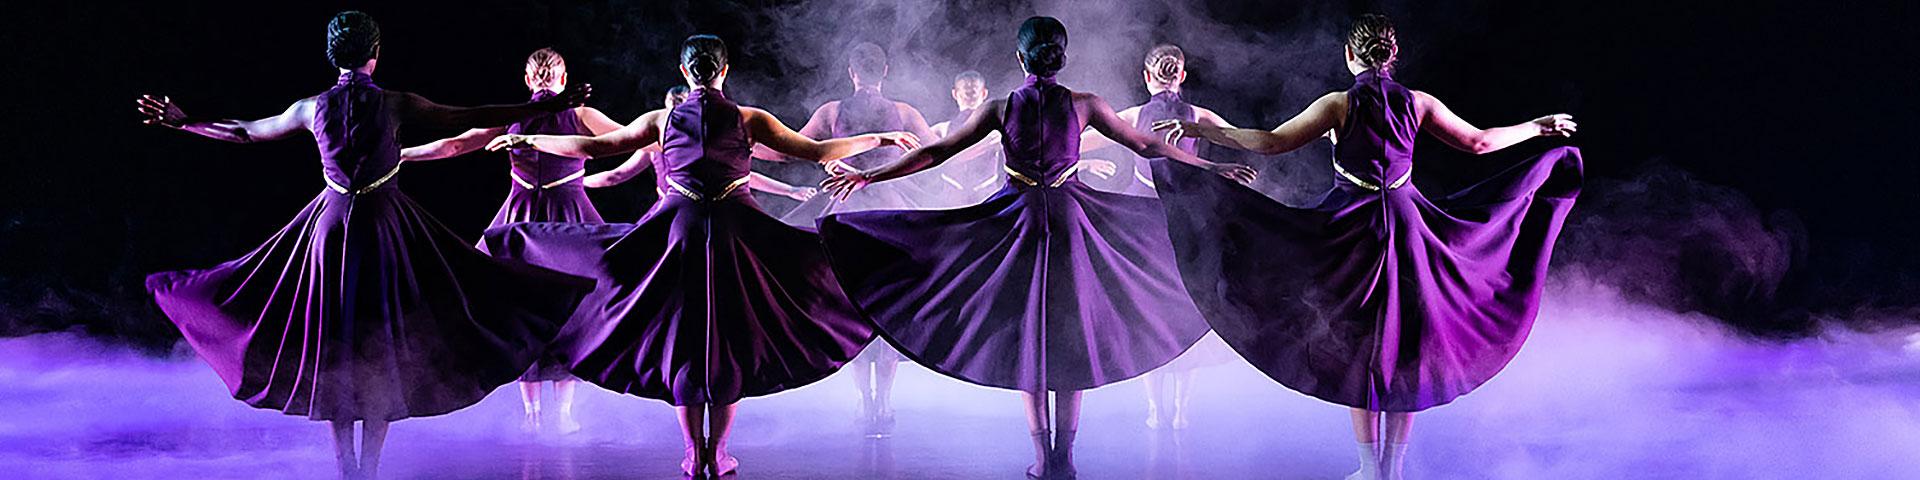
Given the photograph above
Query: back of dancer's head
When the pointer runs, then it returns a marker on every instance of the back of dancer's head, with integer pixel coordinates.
(1372, 42)
(676, 95)
(1165, 65)
(546, 70)
(704, 57)
(353, 39)
(868, 63)
(1043, 46)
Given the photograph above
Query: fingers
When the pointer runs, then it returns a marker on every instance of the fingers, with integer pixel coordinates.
(912, 141)
(499, 142)
(1165, 124)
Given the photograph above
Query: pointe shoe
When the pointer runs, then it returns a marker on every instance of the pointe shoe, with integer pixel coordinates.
(1036, 472)
(1153, 418)
(531, 424)
(567, 425)
(1180, 421)
(694, 465)
(719, 462)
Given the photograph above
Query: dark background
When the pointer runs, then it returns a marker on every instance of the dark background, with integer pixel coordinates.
(1797, 113)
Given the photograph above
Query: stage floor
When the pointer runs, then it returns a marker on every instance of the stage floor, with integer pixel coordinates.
(1605, 390)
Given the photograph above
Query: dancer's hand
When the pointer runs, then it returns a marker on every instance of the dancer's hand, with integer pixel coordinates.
(1556, 125)
(1100, 168)
(507, 141)
(573, 97)
(844, 184)
(836, 167)
(160, 111)
(1174, 130)
(904, 140)
(1234, 171)
(803, 193)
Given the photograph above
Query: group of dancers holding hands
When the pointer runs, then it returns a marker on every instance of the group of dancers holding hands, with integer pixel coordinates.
(364, 309)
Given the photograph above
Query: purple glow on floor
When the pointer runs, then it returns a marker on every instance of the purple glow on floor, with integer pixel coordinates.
(1606, 389)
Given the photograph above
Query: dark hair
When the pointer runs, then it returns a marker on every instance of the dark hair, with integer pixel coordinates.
(869, 61)
(676, 95)
(352, 39)
(1165, 62)
(1043, 45)
(541, 63)
(704, 56)
(1372, 41)
(970, 75)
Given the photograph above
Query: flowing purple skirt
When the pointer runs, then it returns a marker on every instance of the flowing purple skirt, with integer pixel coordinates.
(1037, 288)
(898, 195)
(699, 302)
(1376, 300)
(364, 307)
(566, 203)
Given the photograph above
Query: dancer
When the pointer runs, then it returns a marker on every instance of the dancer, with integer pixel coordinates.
(544, 188)
(364, 308)
(868, 110)
(642, 161)
(706, 300)
(1165, 72)
(1047, 286)
(1169, 388)
(1375, 298)
(971, 181)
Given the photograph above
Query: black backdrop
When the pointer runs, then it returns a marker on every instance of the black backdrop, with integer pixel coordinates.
(1803, 107)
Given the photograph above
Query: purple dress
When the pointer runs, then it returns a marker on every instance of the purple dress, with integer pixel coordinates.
(1166, 105)
(1049, 284)
(962, 183)
(365, 307)
(706, 299)
(546, 188)
(863, 113)
(1375, 297)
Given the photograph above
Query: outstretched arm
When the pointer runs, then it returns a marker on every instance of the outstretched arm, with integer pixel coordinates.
(466, 143)
(418, 109)
(642, 132)
(766, 129)
(761, 182)
(1311, 124)
(1101, 117)
(984, 121)
(640, 162)
(162, 111)
(597, 123)
(1436, 119)
(1091, 139)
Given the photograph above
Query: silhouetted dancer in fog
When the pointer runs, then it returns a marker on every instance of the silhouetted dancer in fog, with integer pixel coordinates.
(1374, 297)
(364, 308)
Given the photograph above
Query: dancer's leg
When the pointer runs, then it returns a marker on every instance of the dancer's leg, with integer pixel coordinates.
(693, 428)
(1398, 431)
(719, 424)
(373, 437)
(1040, 425)
(1155, 383)
(1066, 426)
(343, 452)
(530, 403)
(1366, 436)
(563, 394)
(1182, 388)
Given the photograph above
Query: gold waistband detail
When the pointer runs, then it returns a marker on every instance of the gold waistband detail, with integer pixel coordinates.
(337, 187)
(1029, 181)
(732, 188)
(1397, 183)
(522, 181)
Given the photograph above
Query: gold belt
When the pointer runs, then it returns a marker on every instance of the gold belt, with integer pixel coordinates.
(1029, 181)
(1397, 183)
(689, 193)
(337, 187)
(530, 186)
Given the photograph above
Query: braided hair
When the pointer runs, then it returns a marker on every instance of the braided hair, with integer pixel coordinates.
(1165, 63)
(1372, 41)
(544, 67)
(352, 39)
(704, 56)
(1043, 45)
